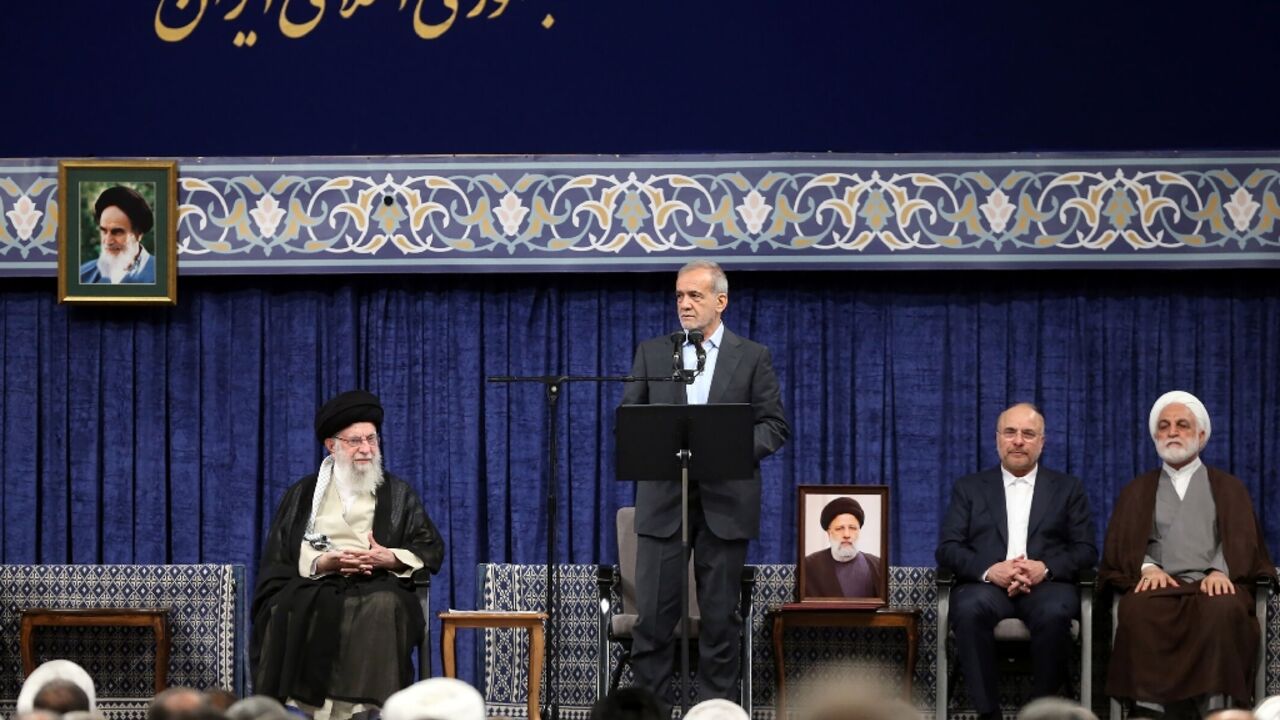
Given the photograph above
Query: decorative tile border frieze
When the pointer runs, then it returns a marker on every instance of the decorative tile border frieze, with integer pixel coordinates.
(396, 214)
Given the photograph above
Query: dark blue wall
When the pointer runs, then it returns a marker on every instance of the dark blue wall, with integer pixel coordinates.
(93, 78)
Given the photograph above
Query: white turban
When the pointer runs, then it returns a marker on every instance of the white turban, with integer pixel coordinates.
(1193, 404)
(55, 670)
(438, 698)
(716, 709)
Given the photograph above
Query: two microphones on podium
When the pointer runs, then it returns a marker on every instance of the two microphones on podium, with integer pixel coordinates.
(678, 339)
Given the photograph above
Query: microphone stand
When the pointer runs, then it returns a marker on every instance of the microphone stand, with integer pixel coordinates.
(553, 385)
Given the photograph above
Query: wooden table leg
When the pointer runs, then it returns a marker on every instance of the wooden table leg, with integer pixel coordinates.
(779, 666)
(28, 654)
(535, 668)
(448, 636)
(912, 639)
(161, 630)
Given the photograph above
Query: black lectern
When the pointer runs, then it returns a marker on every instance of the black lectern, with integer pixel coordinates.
(665, 443)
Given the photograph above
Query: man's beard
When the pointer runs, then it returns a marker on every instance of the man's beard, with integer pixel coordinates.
(842, 553)
(114, 266)
(1175, 455)
(363, 478)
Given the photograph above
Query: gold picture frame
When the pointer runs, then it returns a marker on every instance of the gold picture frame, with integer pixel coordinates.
(139, 201)
(860, 581)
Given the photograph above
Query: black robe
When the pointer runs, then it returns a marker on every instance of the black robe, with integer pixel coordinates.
(295, 619)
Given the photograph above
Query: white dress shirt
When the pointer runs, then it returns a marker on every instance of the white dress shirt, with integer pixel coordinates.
(696, 394)
(1017, 503)
(1182, 478)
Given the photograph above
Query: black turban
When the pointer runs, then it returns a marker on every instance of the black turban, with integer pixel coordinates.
(130, 203)
(842, 506)
(347, 409)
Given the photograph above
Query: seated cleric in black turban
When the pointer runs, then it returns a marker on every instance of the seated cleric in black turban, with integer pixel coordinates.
(335, 618)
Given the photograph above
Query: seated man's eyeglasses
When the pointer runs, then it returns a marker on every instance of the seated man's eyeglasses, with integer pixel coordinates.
(355, 442)
(1011, 433)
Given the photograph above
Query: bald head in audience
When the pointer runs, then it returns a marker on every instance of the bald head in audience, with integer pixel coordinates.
(181, 703)
(257, 707)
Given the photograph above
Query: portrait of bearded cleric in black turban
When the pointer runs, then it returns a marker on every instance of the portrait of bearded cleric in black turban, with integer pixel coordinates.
(117, 231)
(843, 543)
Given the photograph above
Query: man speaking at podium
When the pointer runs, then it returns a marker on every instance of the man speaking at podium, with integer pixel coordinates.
(723, 516)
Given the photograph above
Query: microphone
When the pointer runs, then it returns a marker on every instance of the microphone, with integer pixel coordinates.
(677, 357)
(695, 337)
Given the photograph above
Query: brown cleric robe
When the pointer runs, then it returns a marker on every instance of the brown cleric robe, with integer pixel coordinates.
(1178, 643)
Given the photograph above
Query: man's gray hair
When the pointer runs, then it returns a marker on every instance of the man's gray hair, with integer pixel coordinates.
(719, 281)
(257, 707)
(1055, 708)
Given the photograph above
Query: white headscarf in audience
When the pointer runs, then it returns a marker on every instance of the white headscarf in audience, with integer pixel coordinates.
(1268, 709)
(55, 670)
(717, 709)
(435, 699)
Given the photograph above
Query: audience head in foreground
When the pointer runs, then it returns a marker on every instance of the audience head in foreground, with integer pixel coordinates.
(257, 707)
(61, 696)
(1055, 708)
(435, 699)
(1268, 709)
(841, 699)
(628, 703)
(717, 709)
(181, 703)
(49, 672)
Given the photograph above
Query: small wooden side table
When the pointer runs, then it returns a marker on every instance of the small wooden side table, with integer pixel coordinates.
(155, 618)
(814, 614)
(451, 620)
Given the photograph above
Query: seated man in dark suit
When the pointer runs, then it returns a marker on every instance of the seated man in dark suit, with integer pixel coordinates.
(1016, 536)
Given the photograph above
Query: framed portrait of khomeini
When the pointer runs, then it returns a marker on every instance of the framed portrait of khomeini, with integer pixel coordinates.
(843, 545)
(117, 232)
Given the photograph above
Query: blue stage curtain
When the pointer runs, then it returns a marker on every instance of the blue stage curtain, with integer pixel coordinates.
(145, 435)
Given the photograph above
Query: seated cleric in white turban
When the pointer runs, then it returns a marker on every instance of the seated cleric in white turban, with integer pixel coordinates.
(335, 618)
(1181, 542)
